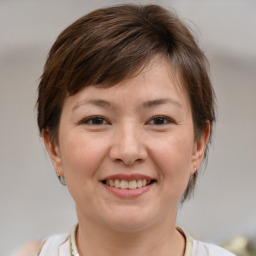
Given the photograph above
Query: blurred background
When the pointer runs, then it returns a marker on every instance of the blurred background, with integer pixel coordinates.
(33, 205)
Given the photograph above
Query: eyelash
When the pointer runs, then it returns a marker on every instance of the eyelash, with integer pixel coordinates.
(164, 119)
(100, 120)
(92, 119)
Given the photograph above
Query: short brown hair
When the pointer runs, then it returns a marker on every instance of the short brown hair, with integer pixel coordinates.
(108, 45)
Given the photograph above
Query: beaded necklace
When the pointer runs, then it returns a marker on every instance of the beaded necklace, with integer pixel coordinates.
(73, 248)
(74, 251)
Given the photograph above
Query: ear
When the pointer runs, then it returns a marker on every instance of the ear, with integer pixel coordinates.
(199, 149)
(54, 152)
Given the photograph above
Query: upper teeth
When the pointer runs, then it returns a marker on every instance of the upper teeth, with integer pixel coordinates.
(124, 184)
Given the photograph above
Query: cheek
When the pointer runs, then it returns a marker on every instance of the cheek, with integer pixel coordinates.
(81, 157)
(81, 161)
(173, 159)
(175, 151)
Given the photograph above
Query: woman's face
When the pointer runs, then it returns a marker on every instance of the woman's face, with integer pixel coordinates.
(138, 135)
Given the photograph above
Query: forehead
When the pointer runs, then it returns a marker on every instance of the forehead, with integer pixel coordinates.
(158, 63)
(152, 82)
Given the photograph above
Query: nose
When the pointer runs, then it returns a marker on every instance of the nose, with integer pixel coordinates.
(128, 145)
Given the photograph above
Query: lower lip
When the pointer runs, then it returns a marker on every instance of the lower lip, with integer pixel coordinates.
(128, 193)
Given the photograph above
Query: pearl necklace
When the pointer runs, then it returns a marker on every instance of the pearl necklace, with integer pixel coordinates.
(73, 248)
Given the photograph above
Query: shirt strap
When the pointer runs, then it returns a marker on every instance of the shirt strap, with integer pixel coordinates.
(189, 242)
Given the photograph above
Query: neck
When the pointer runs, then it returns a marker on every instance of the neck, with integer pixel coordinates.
(162, 240)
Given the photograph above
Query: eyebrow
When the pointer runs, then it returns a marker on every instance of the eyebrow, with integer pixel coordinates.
(152, 103)
(97, 102)
(146, 104)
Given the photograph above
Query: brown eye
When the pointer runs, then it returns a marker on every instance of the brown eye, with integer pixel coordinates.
(95, 120)
(160, 120)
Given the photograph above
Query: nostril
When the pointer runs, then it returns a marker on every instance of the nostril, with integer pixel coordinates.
(128, 150)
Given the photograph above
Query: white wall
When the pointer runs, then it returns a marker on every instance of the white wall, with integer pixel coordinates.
(34, 205)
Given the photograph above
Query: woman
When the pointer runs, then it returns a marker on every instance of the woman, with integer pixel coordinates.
(126, 110)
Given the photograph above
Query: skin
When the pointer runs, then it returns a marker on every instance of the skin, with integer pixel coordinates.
(30, 248)
(145, 127)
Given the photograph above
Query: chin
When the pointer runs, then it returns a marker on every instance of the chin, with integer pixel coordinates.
(128, 226)
(130, 220)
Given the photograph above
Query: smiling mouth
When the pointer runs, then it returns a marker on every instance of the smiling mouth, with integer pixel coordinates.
(124, 184)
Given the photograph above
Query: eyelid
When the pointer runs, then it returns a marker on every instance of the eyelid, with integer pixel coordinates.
(90, 118)
(169, 120)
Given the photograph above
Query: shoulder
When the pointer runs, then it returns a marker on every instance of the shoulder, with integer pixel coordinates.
(48, 247)
(201, 248)
(29, 249)
(52, 244)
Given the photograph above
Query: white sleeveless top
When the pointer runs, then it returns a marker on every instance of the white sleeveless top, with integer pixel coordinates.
(59, 245)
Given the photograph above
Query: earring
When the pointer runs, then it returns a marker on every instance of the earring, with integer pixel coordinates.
(61, 178)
